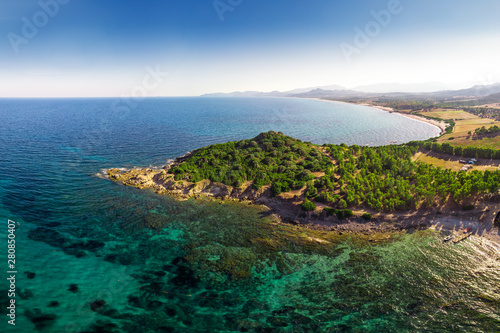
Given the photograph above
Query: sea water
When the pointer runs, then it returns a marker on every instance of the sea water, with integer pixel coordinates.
(94, 256)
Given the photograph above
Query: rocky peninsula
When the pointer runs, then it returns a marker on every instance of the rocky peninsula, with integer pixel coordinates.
(299, 173)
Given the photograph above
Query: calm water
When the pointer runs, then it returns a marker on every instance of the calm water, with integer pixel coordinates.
(166, 266)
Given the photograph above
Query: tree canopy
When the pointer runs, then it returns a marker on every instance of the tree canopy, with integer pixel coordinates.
(382, 178)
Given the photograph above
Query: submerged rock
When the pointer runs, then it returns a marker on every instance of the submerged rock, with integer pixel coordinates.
(39, 319)
(73, 288)
(30, 275)
(102, 326)
(97, 305)
(53, 304)
(90, 245)
(160, 273)
(48, 236)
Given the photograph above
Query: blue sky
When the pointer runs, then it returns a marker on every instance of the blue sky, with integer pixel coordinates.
(108, 48)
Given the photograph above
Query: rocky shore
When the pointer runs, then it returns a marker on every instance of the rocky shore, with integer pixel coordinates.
(286, 208)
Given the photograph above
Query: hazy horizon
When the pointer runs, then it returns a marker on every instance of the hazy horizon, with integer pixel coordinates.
(63, 48)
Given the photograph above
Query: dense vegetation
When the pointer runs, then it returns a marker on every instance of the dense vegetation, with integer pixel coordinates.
(407, 104)
(385, 178)
(446, 148)
(270, 158)
(426, 102)
(490, 99)
(484, 112)
(382, 178)
(483, 130)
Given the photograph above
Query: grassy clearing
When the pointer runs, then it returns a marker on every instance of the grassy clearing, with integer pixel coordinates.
(437, 162)
(464, 123)
(449, 114)
(451, 162)
(460, 135)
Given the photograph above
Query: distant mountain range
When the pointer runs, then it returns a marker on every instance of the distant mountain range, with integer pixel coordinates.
(373, 91)
(399, 87)
(274, 93)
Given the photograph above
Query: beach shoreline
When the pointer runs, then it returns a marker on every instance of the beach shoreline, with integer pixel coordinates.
(441, 125)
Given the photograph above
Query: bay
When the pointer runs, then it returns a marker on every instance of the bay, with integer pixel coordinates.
(161, 265)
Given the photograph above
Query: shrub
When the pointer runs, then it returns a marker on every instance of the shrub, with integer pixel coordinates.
(297, 185)
(308, 205)
(276, 189)
(343, 213)
(367, 216)
(311, 190)
(329, 211)
(342, 203)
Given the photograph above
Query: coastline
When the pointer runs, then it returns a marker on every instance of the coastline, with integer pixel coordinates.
(441, 125)
(286, 210)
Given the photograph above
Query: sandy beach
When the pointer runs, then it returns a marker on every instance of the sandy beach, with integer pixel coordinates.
(441, 125)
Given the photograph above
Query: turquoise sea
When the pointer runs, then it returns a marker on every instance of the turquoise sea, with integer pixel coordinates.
(94, 256)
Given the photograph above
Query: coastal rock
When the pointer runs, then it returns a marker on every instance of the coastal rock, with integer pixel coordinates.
(200, 187)
(252, 194)
(220, 190)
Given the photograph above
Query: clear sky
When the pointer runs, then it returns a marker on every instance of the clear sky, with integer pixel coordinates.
(111, 47)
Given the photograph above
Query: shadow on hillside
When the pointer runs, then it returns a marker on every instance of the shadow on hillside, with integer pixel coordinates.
(481, 222)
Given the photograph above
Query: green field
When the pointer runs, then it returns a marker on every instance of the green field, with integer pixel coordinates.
(449, 114)
(464, 123)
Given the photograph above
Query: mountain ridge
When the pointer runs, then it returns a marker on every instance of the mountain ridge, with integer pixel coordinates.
(339, 92)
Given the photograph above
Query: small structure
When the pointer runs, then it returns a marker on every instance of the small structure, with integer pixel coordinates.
(466, 167)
